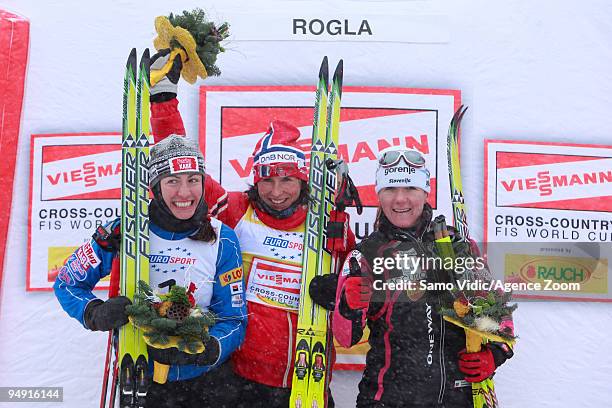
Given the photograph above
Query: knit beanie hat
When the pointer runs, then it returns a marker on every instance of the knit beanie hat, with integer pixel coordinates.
(174, 155)
(277, 153)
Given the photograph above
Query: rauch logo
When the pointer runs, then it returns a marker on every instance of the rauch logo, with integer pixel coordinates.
(555, 269)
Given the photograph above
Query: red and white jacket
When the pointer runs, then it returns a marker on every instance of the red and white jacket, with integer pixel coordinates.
(272, 257)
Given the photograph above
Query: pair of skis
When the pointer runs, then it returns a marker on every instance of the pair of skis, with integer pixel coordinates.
(130, 367)
(483, 393)
(312, 351)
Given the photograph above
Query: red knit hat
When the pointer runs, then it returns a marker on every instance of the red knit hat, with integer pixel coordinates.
(277, 153)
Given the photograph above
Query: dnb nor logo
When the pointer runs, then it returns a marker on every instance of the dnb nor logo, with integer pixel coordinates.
(372, 119)
(79, 171)
(554, 181)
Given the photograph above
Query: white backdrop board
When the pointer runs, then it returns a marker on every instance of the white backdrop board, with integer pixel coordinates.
(547, 218)
(528, 70)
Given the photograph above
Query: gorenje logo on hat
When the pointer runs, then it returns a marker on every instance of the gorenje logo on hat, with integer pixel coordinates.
(402, 176)
(183, 164)
(403, 169)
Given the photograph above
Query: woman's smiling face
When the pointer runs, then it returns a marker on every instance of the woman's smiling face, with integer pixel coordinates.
(402, 206)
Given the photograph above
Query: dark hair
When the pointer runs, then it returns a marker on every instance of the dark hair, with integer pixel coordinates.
(205, 233)
(377, 219)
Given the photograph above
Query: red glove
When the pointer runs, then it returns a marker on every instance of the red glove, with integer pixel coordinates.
(478, 366)
(357, 292)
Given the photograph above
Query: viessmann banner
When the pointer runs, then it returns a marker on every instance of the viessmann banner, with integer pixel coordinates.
(75, 186)
(233, 119)
(548, 218)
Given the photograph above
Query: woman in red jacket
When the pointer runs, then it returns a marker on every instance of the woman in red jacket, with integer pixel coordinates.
(269, 221)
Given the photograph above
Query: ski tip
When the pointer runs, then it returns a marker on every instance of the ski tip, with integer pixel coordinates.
(456, 120)
(324, 70)
(145, 63)
(131, 62)
(338, 75)
(460, 112)
(339, 68)
(455, 124)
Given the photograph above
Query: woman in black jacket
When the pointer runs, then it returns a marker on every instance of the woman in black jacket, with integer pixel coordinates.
(416, 358)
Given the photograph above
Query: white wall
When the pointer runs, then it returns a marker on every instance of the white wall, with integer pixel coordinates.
(528, 70)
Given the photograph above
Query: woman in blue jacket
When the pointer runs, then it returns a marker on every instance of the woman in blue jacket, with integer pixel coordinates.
(185, 246)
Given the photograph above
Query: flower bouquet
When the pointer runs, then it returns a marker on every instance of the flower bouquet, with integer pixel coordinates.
(170, 320)
(192, 37)
(484, 315)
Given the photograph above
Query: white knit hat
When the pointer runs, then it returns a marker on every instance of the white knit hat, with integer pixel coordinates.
(402, 167)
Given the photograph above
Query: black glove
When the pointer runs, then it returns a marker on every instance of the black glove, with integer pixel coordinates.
(104, 316)
(109, 236)
(166, 88)
(322, 290)
(173, 356)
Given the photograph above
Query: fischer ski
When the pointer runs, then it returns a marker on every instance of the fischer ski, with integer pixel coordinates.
(132, 365)
(310, 375)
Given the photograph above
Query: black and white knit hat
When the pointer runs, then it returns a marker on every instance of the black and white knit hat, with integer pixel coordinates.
(174, 155)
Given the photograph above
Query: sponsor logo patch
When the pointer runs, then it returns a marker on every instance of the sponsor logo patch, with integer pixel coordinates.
(236, 288)
(237, 301)
(76, 269)
(278, 157)
(182, 164)
(235, 275)
(64, 276)
(87, 256)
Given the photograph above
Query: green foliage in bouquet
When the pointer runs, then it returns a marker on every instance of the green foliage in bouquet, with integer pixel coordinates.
(206, 34)
(488, 312)
(170, 318)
